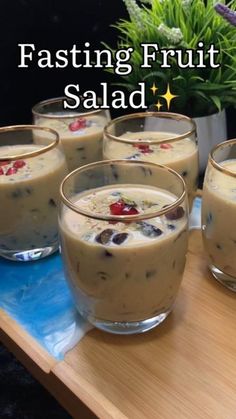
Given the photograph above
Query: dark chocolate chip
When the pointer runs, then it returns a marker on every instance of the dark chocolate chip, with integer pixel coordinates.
(108, 254)
(105, 236)
(149, 274)
(17, 193)
(52, 203)
(28, 191)
(150, 230)
(119, 238)
(176, 214)
(103, 275)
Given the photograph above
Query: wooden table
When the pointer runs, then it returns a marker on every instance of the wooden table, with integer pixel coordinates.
(185, 368)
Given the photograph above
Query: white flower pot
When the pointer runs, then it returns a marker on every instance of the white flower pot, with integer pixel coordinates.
(211, 130)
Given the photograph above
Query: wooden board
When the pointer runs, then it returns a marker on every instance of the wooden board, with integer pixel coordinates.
(185, 368)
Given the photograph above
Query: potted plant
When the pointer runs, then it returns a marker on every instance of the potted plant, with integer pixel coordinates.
(203, 93)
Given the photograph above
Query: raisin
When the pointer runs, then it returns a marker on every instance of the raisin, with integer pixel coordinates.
(119, 238)
(105, 236)
(176, 214)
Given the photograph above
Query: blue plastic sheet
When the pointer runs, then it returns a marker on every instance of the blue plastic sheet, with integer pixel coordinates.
(37, 296)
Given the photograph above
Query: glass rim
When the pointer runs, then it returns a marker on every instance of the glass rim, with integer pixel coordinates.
(121, 218)
(167, 115)
(218, 166)
(42, 150)
(37, 106)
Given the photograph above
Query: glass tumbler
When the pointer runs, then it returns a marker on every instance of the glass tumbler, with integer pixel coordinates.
(162, 138)
(219, 213)
(30, 177)
(80, 132)
(124, 230)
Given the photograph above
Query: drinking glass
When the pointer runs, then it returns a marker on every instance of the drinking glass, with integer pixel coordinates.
(30, 177)
(124, 228)
(219, 213)
(163, 138)
(80, 132)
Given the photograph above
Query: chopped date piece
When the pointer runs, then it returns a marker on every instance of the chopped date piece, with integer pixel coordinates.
(176, 214)
(105, 236)
(166, 146)
(119, 238)
(144, 148)
(150, 230)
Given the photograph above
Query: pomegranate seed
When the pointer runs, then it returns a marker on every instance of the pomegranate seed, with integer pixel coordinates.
(77, 125)
(130, 211)
(11, 171)
(4, 162)
(1, 171)
(120, 208)
(19, 163)
(166, 146)
(144, 148)
(117, 207)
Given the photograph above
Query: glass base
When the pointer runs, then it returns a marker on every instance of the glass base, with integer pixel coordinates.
(227, 280)
(128, 328)
(29, 255)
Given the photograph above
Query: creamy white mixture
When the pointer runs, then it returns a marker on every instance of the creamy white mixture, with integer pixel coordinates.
(181, 155)
(81, 138)
(219, 217)
(29, 196)
(124, 271)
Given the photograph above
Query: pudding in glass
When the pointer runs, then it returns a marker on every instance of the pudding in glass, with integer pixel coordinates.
(30, 176)
(162, 138)
(80, 133)
(218, 213)
(135, 234)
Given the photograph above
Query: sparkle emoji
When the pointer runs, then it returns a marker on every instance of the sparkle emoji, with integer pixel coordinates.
(168, 96)
(154, 89)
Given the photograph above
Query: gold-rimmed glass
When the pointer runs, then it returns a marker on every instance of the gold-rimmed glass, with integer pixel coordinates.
(124, 269)
(157, 137)
(219, 213)
(80, 131)
(30, 176)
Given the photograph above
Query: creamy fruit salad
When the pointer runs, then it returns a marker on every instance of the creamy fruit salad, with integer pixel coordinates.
(124, 271)
(29, 194)
(219, 217)
(81, 137)
(180, 155)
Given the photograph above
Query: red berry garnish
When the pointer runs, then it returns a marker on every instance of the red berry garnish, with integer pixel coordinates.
(78, 124)
(121, 208)
(1, 171)
(166, 146)
(11, 171)
(144, 148)
(4, 162)
(19, 163)
(117, 207)
(130, 211)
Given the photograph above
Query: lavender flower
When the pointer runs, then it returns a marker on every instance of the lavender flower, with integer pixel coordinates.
(226, 13)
